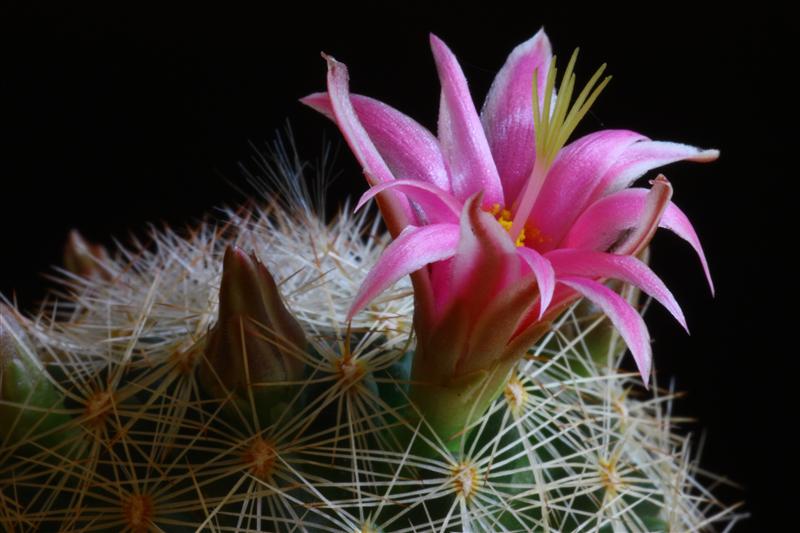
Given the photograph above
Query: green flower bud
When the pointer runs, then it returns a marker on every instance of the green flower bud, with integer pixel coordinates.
(256, 345)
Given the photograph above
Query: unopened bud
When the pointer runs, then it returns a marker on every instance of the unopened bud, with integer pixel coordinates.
(84, 258)
(256, 342)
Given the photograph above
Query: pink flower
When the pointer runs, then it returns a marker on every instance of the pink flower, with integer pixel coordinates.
(500, 222)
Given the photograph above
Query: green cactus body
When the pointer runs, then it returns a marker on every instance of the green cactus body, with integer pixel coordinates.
(141, 420)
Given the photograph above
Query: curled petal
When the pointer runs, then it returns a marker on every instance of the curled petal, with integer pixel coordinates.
(414, 248)
(655, 203)
(599, 227)
(395, 208)
(463, 142)
(507, 113)
(570, 183)
(624, 317)
(483, 249)
(544, 273)
(591, 264)
(438, 205)
(647, 155)
(409, 149)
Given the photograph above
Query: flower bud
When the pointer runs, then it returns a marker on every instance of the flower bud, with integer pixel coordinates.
(256, 342)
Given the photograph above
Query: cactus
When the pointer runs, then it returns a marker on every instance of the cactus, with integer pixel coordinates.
(147, 441)
(220, 381)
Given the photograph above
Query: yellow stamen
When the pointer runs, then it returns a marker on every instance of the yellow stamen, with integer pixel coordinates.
(530, 235)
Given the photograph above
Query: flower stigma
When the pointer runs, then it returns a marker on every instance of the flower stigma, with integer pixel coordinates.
(553, 123)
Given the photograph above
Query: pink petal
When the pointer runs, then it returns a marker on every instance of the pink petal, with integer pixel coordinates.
(414, 248)
(396, 209)
(321, 103)
(409, 149)
(495, 325)
(544, 273)
(485, 261)
(600, 226)
(571, 181)
(592, 264)
(646, 155)
(463, 142)
(642, 233)
(507, 113)
(438, 205)
(483, 240)
(624, 317)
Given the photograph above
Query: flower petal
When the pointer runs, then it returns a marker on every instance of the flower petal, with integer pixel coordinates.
(495, 325)
(605, 220)
(482, 249)
(570, 183)
(592, 264)
(414, 248)
(463, 142)
(409, 149)
(647, 155)
(655, 203)
(544, 273)
(395, 208)
(624, 317)
(507, 113)
(438, 205)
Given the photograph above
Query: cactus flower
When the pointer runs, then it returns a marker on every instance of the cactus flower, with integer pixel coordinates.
(255, 341)
(501, 221)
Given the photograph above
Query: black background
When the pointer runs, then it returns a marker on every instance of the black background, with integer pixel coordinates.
(113, 118)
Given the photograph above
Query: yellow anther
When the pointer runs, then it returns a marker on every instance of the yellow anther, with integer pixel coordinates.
(504, 217)
(533, 235)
